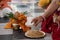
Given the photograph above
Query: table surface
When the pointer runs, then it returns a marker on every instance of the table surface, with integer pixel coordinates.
(20, 35)
(17, 35)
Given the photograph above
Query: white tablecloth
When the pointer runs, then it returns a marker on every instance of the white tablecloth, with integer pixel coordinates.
(5, 31)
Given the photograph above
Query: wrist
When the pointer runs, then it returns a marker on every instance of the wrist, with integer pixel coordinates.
(42, 18)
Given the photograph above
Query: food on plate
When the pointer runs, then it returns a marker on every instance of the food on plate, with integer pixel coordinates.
(34, 34)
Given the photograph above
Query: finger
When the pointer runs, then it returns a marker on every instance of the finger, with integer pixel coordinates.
(37, 23)
(33, 20)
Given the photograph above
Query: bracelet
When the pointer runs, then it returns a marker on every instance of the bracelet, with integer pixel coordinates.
(43, 17)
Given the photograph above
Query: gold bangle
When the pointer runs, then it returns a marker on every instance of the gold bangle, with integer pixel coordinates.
(43, 17)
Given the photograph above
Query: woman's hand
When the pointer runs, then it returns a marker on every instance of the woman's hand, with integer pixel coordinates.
(37, 20)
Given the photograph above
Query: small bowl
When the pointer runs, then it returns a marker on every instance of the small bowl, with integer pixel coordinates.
(15, 26)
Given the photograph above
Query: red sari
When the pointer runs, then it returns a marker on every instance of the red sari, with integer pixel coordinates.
(50, 27)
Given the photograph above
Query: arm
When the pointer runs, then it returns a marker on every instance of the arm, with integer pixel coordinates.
(52, 7)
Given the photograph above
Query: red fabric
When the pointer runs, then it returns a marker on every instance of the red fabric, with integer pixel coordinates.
(48, 26)
(3, 3)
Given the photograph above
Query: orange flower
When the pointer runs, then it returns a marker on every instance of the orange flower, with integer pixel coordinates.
(21, 20)
(8, 25)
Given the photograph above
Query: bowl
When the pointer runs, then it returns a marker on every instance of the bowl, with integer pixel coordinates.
(15, 26)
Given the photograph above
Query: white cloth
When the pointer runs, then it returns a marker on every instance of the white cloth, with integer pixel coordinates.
(4, 31)
(4, 11)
